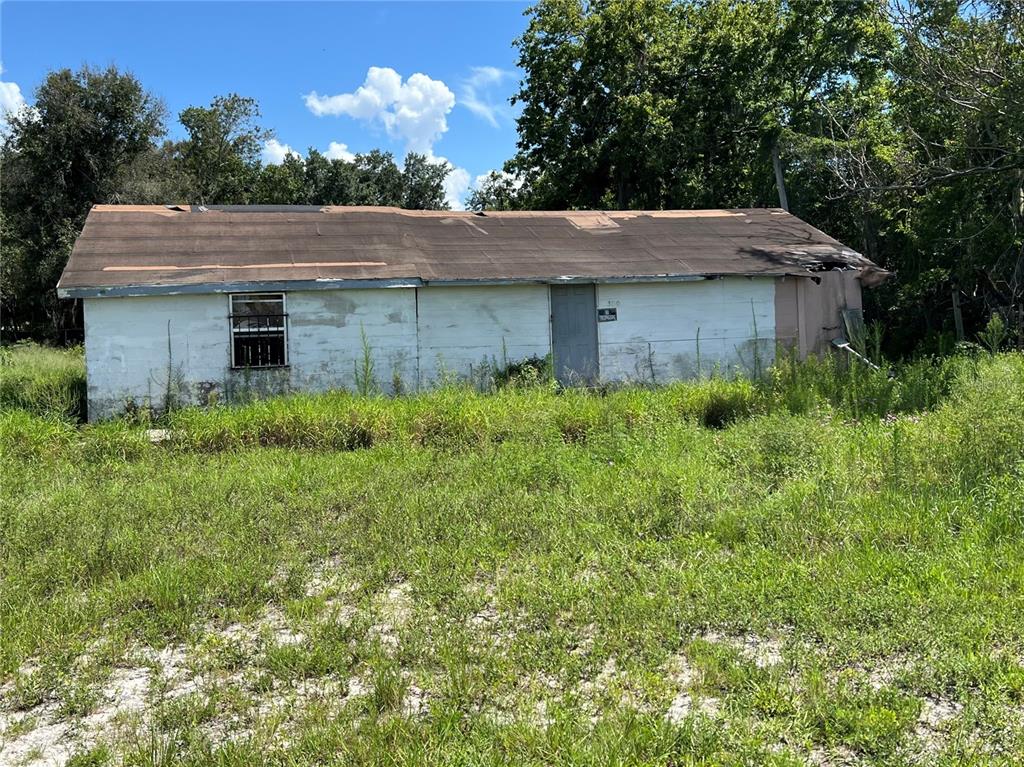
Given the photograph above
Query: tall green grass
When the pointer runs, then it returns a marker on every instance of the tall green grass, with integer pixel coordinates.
(43, 380)
(51, 382)
(856, 390)
(461, 416)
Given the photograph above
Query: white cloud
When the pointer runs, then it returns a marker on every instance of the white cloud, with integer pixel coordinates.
(517, 181)
(455, 188)
(274, 152)
(11, 101)
(338, 151)
(477, 96)
(413, 111)
(379, 91)
(456, 183)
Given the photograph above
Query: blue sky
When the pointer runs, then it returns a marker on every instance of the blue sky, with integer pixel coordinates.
(342, 77)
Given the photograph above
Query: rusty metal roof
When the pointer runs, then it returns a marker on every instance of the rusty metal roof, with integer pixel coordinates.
(150, 249)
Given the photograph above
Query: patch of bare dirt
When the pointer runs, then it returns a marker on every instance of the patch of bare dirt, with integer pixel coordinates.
(43, 737)
(44, 741)
(933, 725)
(762, 651)
(686, 701)
(395, 608)
(833, 756)
(881, 672)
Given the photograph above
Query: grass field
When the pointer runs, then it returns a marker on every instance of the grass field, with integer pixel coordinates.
(826, 568)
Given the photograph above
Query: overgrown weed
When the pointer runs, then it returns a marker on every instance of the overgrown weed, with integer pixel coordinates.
(43, 380)
(825, 573)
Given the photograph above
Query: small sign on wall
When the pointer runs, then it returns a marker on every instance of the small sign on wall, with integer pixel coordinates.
(607, 315)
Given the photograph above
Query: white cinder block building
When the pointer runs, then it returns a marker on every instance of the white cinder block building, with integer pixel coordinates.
(195, 305)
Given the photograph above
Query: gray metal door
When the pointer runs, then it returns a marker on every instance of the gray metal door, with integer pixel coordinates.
(574, 333)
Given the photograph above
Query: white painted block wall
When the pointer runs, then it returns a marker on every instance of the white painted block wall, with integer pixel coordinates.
(326, 329)
(126, 342)
(416, 336)
(128, 356)
(658, 324)
(462, 329)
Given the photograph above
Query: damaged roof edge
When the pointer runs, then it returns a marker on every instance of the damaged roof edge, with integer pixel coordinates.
(338, 284)
(157, 250)
(250, 286)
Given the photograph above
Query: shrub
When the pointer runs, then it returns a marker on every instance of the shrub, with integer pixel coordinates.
(524, 373)
(715, 403)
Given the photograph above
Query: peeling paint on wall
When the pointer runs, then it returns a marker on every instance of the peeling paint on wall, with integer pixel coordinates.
(333, 309)
(669, 331)
(462, 327)
(142, 350)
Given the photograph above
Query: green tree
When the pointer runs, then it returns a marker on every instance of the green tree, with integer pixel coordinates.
(378, 181)
(283, 184)
(590, 69)
(370, 179)
(931, 156)
(156, 176)
(897, 127)
(654, 103)
(223, 148)
(63, 155)
(423, 183)
(328, 182)
(497, 191)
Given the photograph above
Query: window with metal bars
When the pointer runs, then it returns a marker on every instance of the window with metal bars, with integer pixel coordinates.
(259, 330)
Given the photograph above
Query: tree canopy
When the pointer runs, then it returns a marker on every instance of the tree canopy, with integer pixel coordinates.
(897, 127)
(62, 155)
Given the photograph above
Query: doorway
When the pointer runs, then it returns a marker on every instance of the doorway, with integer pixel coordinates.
(574, 333)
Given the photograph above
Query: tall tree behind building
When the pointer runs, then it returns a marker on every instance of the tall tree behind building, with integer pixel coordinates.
(63, 154)
(222, 152)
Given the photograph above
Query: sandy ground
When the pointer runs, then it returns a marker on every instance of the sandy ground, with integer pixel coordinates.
(42, 735)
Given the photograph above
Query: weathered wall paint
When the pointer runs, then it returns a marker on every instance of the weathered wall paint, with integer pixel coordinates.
(655, 337)
(129, 361)
(327, 331)
(820, 306)
(140, 350)
(418, 337)
(463, 330)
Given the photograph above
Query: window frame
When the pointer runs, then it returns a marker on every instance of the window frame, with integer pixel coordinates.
(234, 332)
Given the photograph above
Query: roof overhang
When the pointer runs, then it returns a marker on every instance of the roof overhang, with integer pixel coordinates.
(242, 286)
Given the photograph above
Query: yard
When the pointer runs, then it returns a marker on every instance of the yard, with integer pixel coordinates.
(825, 567)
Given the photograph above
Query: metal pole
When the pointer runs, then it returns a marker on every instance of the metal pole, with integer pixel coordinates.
(780, 181)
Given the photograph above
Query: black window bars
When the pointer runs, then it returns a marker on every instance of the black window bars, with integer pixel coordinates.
(259, 340)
